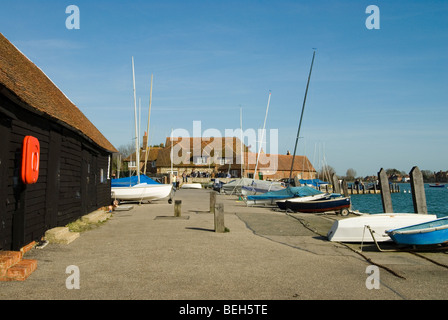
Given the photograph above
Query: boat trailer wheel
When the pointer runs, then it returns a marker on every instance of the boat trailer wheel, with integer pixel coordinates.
(344, 212)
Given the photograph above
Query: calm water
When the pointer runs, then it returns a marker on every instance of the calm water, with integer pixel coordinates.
(436, 201)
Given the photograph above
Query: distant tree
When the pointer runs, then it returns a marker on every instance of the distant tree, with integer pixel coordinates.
(350, 174)
(428, 175)
(126, 150)
(392, 172)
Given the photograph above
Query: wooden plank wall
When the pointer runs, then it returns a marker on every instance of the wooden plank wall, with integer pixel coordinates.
(58, 196)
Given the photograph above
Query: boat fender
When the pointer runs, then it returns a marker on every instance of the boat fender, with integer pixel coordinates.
(30, 160)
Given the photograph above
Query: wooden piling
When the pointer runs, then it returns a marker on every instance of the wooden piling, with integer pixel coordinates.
(178, 208)
(212, 201)
(385, 192)
(345, 188)
(219, 218)
(336, 185)
(418, 191)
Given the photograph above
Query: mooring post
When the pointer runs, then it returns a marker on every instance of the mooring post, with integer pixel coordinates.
(219, 218)
(336, 186)
(385, 192)
(345, 188)
(212, 201)
(418, 191)
(177, 208)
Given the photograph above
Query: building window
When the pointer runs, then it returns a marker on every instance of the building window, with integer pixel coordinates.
(201, 160)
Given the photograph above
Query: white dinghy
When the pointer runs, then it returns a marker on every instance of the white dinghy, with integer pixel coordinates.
(191, 186)
(355, 229)
(142, 192)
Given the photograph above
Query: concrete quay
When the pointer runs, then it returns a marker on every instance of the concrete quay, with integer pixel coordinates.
(148, 254)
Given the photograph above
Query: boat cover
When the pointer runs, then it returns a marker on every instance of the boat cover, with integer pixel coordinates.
(290, 192)
(131, 181)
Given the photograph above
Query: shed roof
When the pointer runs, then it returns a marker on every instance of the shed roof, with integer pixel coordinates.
(33, 87)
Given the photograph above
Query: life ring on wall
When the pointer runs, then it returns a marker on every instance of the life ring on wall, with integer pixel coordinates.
(30, 160)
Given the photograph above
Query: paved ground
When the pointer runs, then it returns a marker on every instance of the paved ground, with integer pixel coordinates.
(145, 253)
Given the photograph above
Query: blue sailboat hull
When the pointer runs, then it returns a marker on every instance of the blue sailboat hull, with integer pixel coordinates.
(319, 205)
(428, 233)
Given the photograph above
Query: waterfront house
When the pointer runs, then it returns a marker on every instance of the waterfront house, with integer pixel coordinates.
(73, 165)
(150, 159)
(199, 157)
(278, 166)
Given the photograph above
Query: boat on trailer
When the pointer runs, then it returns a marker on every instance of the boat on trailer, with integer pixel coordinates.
(427, 233)
(356, 229)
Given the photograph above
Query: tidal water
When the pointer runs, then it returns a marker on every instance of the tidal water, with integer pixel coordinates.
(436, 201)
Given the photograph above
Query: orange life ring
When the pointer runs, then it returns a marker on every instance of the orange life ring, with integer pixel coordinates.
(30, 160)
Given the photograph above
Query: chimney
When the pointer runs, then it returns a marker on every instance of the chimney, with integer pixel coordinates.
(145, 141)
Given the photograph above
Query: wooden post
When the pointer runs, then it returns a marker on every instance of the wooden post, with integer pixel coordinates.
(345, 188)
(177, 208)
(385, 192)
(212, 201)
(418, 191)
(336, 185)
(219, 218)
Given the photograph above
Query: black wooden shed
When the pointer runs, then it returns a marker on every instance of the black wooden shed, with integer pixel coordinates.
(75, 158)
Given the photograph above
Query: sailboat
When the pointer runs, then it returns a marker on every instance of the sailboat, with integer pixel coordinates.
(289, 192)
(140, 187)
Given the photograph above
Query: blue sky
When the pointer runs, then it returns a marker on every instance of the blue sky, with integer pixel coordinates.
(377, 98)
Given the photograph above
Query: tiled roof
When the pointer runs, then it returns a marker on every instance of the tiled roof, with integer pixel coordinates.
(206, 145)
(34, 88)
(284, 162)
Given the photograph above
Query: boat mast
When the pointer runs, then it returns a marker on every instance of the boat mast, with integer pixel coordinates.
(172, 155)
(149, 116)
(241, 142)
(137, 153)
(262, 135)
(301, 118)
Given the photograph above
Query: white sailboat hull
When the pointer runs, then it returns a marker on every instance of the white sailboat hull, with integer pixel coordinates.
(355, 230)
(142, 192)
(191, 186)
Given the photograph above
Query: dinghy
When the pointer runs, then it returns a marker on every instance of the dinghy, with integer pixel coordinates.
(355, 229)
(191, 186)
(141, 192)
(282, 203)
(427, 233)
(338, 203)
(260, 187)
(270, 198)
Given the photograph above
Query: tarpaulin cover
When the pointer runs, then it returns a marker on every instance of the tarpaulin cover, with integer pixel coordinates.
(314, 182)
(286, 193)
(131, 181)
